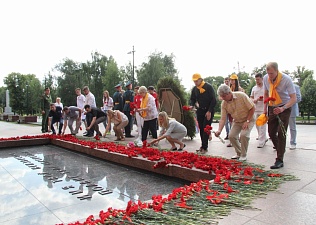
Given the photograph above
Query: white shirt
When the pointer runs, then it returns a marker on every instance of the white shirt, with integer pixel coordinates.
(256, 92)
(80, 104)
(59, 104)
(151, 112)
(107, 104)
(90, 100)
(80, 101)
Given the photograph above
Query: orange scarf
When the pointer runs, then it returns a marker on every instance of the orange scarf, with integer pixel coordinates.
(143, 105)
(202, 90)
(273, 92)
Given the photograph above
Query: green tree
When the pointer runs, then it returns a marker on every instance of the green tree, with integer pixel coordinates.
(308, 91)
(72, 75)
(261, 70)
(113, 76)
(300, 74)
(2, 99)
(158, 66)
(215, 82)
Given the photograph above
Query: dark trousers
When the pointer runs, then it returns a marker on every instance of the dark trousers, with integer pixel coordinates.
(45, 121)
(149, 125)
(128, 127)
(60, 125)
(89, 117)
(200, 116)
(275, 130)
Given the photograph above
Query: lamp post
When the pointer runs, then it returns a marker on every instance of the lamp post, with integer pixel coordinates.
(132, 52)
(27, 99)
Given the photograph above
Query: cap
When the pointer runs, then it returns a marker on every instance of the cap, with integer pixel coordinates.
(118, 85)
(234, 77)
(151, 88)
(128, 83)
(196, 76)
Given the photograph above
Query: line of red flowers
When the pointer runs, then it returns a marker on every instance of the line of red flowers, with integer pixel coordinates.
(226, 171)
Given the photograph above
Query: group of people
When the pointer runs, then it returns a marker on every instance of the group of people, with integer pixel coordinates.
(126, 106)
(274, 96)
(239, 113)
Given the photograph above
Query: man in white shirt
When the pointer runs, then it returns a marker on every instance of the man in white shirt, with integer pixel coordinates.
(90, 100)
(256, 95)
(80, 104)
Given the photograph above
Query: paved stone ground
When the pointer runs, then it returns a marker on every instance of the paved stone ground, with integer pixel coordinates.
(293, 203)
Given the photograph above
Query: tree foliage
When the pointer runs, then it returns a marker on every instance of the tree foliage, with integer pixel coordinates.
(24, 92)
(300, 74)
(157, 67)
(308, 92)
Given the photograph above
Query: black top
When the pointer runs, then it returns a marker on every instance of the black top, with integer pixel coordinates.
(57, 115)
(118, 101)
(128, 97)
(206, 100)
(96, 112)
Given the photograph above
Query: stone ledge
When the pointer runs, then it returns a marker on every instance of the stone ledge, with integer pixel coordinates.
(24, 142)
(28, 119)
(192, 175)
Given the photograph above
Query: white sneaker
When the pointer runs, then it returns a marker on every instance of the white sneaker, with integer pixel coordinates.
(243, 158)
(292, 147)
(235, 157)
(262, 145)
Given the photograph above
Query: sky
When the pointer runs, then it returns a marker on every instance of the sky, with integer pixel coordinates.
(207, 37)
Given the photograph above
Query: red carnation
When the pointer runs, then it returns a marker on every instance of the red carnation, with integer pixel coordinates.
(269, 99)
(186, 108)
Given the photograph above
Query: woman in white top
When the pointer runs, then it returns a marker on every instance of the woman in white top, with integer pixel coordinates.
(58, 103)
(148, 111)
(107, 105)
(172, 130)
(120, 121)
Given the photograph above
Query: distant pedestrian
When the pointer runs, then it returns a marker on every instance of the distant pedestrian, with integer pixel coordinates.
(139, 119)
(118, 98)
(294, 114)
(128, 97)
(58, 103)
(80, 104)
(227, 124)
(90, 100)
(46, 101)
(256, 95)
(107, 105)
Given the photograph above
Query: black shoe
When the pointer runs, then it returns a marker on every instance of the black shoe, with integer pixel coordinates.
(84, 133)
(180, 149)
(277, 165)
(88, 135)
(129, 136)
(226, 138)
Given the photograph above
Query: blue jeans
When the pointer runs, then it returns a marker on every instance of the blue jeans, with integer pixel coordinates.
(292, 125)
(60, 125)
